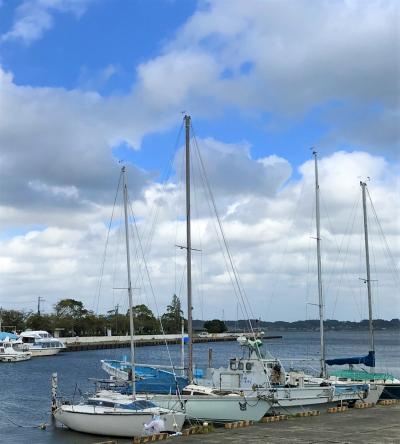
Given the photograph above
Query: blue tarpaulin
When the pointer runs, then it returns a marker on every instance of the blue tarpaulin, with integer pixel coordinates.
(5, 334)
(368, 360)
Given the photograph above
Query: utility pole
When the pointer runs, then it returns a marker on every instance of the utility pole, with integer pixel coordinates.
(40, 299)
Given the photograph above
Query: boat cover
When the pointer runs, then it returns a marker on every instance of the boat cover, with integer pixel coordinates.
(368, 360)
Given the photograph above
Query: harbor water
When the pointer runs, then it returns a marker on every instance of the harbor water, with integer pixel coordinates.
(25, 386)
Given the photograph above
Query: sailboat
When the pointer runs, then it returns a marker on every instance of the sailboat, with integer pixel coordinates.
(197, 401)
(373, 392)
(292, 391)
(388, 383)
(113, 414)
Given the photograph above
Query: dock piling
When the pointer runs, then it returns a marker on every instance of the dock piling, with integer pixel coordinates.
(54, 387)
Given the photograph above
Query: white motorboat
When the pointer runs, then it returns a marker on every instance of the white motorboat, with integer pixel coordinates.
(113, 414)
(41, 343)
(13, 350)
(287, 392)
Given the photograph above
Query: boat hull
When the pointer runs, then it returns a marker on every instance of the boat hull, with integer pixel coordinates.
(148, 379)
(37, 352)
(17, 357)
(390, 391)
(295, 399)
(216, 409)
(115, 424)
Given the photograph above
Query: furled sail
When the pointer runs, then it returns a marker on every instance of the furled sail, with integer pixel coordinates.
(368, 360)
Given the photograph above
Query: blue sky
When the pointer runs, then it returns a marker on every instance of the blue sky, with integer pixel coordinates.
(76, 50)
(83, 82)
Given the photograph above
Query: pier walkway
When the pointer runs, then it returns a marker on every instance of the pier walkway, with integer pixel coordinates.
(101, 342)
(377, 425)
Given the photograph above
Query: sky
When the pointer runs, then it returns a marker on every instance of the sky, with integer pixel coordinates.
(89, 85)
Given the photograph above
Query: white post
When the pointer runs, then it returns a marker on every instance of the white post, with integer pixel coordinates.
(54, 387)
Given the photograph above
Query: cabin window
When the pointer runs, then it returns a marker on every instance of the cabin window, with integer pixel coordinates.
(269, 365)
(248, 366)
(232, 364)
(240, 366)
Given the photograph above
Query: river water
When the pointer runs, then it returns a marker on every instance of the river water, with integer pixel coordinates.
(25, 386)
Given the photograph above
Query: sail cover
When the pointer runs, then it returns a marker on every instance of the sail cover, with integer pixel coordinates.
(368, 360)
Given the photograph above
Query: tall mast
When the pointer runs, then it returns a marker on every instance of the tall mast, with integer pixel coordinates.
(128, 265)
(188, 251)
(371, 326)
(320, 294)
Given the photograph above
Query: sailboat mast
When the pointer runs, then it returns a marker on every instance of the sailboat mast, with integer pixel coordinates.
(128, 265)
(189, 252)
(320, 293)
(371, 326)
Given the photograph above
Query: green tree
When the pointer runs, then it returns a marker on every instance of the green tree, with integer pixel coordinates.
(215, 326)
(13, 320)
(70, 307)
(172, 318)
(71, 316)
(144, 320)
(40, 322)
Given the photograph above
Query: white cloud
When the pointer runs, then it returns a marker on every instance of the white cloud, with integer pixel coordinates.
(269, 235)
(282, 58)
(35, 17)
(289, 58)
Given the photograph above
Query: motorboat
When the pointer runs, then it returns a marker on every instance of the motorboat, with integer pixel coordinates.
(12, 349)
(288, 392)
(41, 343)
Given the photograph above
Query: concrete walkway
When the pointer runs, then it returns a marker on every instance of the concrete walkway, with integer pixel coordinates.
(375, 425)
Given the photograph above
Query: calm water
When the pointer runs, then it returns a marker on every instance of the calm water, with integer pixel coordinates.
(25, 386)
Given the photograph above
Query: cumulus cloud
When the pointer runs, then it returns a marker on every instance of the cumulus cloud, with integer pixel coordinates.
(270, 235)
(34, 17)
(290, 58)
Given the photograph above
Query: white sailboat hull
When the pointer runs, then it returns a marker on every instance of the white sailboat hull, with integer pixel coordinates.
(293, 400)
(216, 409)
(112, 423)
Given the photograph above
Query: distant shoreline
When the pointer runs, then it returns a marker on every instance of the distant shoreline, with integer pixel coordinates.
(308, 325)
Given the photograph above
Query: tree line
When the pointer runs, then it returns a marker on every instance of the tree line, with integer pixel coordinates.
(71, 318)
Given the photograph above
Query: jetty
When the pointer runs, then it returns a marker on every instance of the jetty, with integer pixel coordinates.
(101, 342)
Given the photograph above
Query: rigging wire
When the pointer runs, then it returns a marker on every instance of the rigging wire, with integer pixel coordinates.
(391, 260)
(240, 287)
(342, 275)
(105, 247)
(144, 262)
